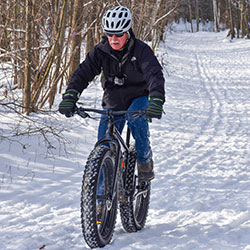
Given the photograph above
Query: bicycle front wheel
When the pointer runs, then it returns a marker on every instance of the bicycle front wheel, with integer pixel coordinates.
(98, 206)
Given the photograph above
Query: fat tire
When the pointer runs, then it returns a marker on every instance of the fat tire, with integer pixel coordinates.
(134, 211)
(97, 235)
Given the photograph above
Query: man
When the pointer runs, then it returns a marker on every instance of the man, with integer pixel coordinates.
(132, 80)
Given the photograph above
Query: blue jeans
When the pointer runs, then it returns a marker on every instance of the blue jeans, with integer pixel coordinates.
(138, 126)
(139, 129)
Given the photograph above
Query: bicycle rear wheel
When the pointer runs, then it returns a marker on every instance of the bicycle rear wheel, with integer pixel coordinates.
(98, 209)
(134, 208)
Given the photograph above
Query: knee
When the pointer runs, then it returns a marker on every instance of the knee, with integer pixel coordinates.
(138, 123)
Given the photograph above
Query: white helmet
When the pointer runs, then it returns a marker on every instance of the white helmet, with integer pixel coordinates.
(117, 20)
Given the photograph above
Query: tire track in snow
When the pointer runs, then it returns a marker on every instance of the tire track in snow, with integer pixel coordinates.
(216, 125)
(188, 157)
(202, 146)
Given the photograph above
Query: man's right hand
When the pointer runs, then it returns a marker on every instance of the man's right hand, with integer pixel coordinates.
(68, 104)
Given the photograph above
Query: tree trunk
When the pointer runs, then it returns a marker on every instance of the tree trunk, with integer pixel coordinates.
(35, 27)
(141, 15)
(15, 42)
(231, 21)
(190, 15)
(154, 15)
(27, 64)
(197, 15)
(90, 39)
(76, 40)
(247, 21)
(59, 49)
(242, 18)
(237, 19)
(4, 41)
(216, 16)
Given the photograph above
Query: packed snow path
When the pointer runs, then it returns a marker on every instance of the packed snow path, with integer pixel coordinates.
(205, 168)
(201, 194)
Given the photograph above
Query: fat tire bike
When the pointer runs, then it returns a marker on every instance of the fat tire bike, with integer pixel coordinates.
(113, 162)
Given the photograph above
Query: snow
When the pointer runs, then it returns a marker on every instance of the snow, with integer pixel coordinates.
(200, 196)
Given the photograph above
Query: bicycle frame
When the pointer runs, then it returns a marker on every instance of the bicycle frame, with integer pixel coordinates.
(114, 138)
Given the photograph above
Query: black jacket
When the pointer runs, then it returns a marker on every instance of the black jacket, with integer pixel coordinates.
(136, 66)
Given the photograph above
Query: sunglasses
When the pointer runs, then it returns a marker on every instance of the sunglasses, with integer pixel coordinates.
(116, 34)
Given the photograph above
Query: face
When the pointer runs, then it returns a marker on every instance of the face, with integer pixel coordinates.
(116, 42)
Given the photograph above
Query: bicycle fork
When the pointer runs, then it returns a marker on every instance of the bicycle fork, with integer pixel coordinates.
(115, 146)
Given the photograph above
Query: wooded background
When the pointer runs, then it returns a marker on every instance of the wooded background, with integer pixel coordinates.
(42, 42)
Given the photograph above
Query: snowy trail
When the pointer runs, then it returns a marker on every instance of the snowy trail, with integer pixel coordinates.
(208, 145)
(201, 194)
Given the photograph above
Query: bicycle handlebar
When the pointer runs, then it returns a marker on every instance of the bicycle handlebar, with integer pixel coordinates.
(83, 112)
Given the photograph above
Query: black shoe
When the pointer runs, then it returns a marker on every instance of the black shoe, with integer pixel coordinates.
(145, 171)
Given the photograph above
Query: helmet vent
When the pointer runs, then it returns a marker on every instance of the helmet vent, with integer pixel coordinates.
(126, 24)
(118, 24)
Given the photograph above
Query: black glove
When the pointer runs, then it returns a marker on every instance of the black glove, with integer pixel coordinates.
(68, 104)
(154, 109)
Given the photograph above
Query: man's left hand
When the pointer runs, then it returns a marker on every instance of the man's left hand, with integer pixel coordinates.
(154, 109)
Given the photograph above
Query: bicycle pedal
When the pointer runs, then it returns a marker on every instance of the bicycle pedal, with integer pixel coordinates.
(143, 185)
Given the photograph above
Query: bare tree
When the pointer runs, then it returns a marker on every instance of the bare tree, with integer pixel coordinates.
(216, 16)
(3, 31)
(244, 18)
(51, 57)
(231, 20)
(76, 40)
(58, 55)
(189, 3)
(27, 65)
(197, 16)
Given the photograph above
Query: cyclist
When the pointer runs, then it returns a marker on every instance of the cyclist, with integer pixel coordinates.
(132, 79)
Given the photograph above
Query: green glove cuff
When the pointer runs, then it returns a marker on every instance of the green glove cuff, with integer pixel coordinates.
(155, 99)
(71, 94)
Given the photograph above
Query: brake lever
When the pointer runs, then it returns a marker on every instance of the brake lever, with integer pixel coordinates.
(81, 112)
(142, 113)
